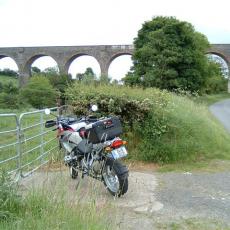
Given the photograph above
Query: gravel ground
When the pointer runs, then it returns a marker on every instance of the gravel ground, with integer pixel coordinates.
(194, 195)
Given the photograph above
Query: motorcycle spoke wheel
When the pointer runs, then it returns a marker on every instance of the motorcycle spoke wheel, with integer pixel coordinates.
(111, 179)
(115, 176)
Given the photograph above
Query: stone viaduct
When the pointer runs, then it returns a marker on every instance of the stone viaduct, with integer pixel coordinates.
(64, 55)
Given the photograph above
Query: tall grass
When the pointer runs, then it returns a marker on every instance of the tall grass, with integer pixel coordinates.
(192, 134)
(44, 208)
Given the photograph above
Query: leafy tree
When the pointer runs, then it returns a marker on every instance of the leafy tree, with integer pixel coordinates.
(87, 77)
(169, 54)
(216, 82)
(89, 71)
(8, 72)
(39, 92)
(60, 83)
(51, 70)
(79, 76)
(35, 70)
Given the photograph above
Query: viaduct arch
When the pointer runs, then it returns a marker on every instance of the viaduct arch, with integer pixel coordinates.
(64, 55)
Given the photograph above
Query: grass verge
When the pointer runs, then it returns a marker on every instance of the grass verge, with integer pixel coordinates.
(211, 99)
(192, 136)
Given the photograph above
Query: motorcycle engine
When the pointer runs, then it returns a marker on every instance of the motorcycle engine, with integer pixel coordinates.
(97, 166)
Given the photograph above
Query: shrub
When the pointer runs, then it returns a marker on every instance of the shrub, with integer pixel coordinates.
(39, 92)
(9, 96)
(10, 101)
(131, 105)
(216, 84)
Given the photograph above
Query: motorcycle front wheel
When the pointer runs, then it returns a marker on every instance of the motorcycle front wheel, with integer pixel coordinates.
(115, 177)
(73, 172)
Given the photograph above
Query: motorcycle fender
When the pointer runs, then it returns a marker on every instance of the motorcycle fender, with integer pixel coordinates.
(121, 170)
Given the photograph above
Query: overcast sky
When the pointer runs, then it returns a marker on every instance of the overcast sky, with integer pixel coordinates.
(103, 22)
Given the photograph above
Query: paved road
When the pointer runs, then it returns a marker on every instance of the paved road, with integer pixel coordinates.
(221, 111)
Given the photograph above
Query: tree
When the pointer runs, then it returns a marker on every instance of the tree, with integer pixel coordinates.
(51, 70)
(87, 77)
(169, 54)
(35, 70)
(60, 83)
(39, 92)
(216, 82)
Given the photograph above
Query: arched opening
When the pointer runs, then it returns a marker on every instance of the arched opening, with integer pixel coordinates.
(8, 70)
(119, 67)
(224, 68)
(81, 64)
(221, 61)
(41, 64)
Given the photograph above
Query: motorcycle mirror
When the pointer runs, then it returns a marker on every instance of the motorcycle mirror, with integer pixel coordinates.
(94, 108)
(47, 111)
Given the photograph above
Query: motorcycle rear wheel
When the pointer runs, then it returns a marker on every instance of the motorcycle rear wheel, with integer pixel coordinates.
(115, 177)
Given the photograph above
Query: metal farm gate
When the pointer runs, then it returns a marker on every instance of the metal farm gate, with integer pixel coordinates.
(25, 143)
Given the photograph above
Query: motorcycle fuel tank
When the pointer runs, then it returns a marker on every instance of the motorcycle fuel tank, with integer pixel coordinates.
(77, 126)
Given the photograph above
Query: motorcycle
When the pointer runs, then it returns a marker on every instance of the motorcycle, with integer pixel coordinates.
(93, 147)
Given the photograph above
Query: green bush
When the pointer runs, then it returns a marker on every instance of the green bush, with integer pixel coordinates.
(39, 92)
(216, 84)
(9, 96)
(10, 101)
(132, 105)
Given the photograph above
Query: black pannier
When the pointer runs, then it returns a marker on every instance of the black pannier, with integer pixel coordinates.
(104, 130)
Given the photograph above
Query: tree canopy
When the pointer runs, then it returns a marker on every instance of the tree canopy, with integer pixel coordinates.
(169, 54)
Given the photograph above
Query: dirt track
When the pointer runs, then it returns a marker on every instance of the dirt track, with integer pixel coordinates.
(153, 199)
